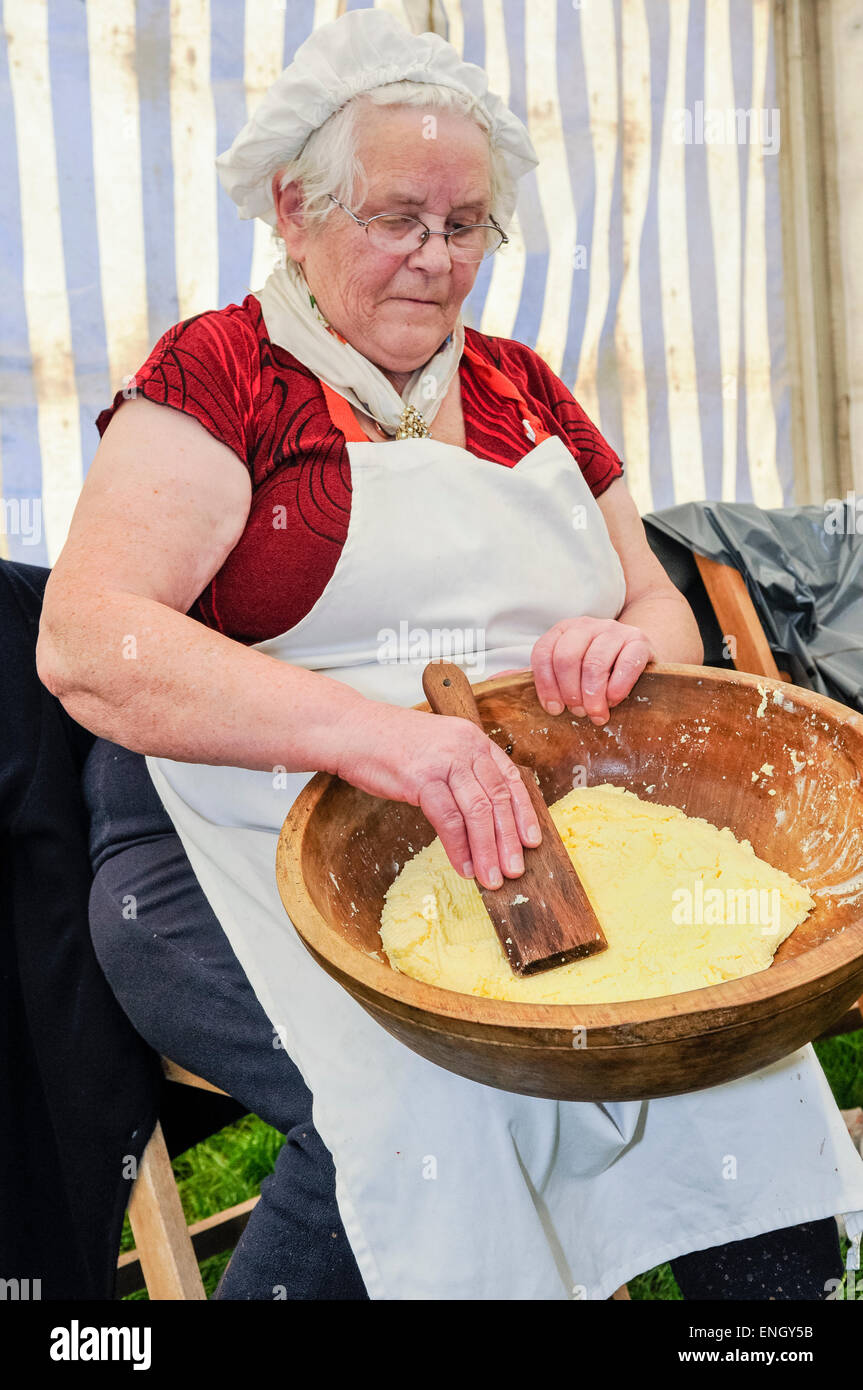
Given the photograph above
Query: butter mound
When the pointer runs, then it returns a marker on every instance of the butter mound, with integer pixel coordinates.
(682, 904)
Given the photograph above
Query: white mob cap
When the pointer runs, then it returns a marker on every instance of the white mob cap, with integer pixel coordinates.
(360, 50)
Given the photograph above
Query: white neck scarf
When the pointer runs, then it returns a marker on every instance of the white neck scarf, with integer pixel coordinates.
(294, 322)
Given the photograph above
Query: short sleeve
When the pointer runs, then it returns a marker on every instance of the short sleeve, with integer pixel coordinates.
(207, 367)
(599, 463)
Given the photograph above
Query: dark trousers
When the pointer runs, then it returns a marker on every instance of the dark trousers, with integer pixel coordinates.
(173, 970)
(175, 974)
(78, 1087)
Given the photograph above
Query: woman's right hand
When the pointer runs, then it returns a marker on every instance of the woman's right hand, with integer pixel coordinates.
(461, 780)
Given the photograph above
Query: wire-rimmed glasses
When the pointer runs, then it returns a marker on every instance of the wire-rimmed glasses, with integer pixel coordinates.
(400, 235)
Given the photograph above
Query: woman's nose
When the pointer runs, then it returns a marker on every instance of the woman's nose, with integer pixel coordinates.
(434, 254)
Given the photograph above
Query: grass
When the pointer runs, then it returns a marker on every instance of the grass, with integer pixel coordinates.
(842, 1060)
(221, 1171)
(229, 1167)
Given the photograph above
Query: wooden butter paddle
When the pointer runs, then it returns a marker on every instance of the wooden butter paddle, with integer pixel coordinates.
(544, 917)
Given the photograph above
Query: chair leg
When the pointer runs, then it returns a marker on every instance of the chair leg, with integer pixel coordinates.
(159, 1227)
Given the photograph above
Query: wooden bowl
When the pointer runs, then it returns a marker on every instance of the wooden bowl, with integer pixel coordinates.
(689, 736)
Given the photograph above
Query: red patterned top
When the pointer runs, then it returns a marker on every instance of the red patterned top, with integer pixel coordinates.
(271, 410)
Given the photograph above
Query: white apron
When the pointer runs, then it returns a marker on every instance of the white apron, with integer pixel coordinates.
(449, 1189)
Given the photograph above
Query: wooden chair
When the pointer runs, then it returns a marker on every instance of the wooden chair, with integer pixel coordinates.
(167, 1250)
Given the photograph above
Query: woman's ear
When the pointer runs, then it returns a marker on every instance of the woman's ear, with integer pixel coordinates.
(290, 222)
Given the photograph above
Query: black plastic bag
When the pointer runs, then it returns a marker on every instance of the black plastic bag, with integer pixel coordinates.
(803, 567)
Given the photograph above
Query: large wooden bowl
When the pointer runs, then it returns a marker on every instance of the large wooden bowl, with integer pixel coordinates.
(689, 736)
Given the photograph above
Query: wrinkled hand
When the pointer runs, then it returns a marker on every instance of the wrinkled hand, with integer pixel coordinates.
(461, 780)
(588, 665)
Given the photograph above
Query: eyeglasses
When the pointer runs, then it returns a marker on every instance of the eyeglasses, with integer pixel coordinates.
(400, 236)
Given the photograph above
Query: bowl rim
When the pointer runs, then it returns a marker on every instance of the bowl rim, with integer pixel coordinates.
(381, 979)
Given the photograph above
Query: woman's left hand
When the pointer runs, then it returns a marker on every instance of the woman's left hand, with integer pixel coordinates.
(591, 664)
(588, 665)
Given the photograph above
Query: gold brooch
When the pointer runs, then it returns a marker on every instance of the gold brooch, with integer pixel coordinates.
(413, 425)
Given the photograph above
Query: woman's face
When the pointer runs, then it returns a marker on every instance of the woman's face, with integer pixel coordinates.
(429, 164)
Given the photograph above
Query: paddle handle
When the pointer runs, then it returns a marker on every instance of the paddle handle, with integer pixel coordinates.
(543, 918)
(449, 691)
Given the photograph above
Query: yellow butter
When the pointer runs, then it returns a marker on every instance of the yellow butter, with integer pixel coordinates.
(682, 903)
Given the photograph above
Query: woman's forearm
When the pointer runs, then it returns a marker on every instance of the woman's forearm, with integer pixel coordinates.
(156, 681)
(670, 624)
(153, 680)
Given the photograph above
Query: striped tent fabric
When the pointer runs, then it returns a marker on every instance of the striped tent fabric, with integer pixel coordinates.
(645, 262)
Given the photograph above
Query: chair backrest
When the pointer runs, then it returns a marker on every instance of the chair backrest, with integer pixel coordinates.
(736, 615)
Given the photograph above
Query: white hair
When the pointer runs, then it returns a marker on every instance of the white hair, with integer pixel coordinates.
(329, 162)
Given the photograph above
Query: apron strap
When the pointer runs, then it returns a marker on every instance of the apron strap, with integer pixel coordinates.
(342, 415)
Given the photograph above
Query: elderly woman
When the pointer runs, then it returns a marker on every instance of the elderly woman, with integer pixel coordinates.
(342, 459)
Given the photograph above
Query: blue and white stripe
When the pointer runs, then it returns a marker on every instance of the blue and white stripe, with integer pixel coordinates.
(648, 273)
